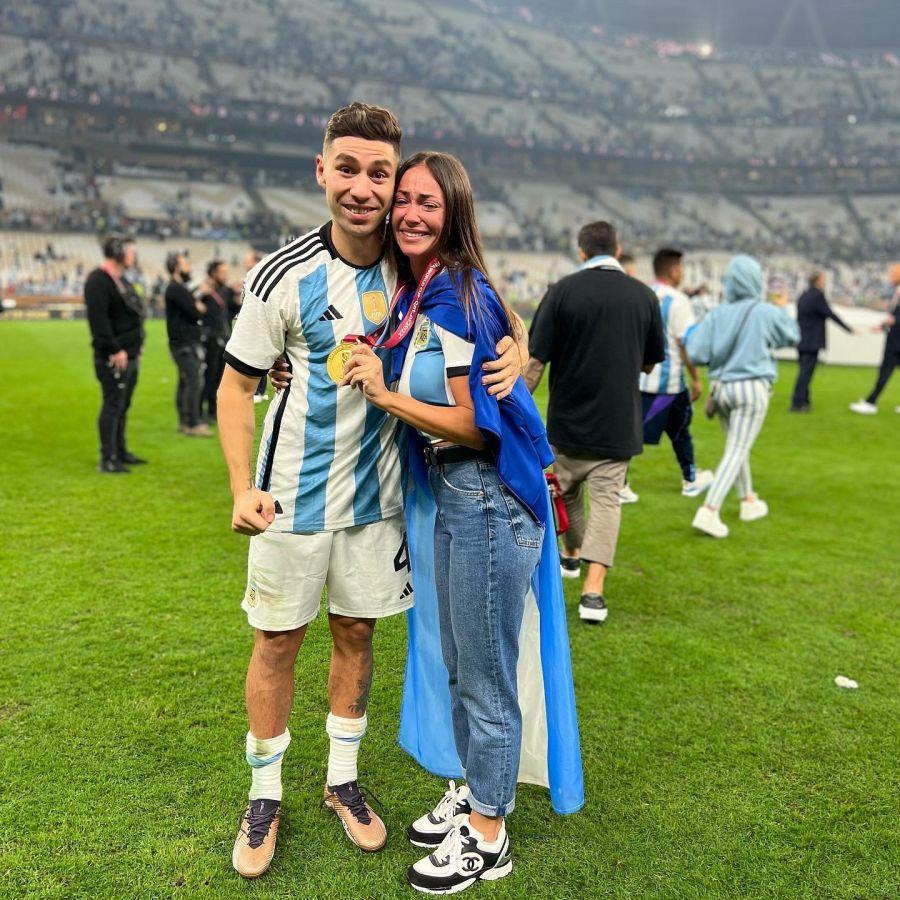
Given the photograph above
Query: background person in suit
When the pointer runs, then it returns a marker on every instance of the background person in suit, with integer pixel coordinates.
(813, 312)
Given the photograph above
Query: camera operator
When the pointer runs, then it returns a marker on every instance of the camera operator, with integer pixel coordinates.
(218, 298)
(116, 319)
(183, 315)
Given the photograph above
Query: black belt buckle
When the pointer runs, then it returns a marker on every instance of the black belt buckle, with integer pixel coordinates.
(431, 457)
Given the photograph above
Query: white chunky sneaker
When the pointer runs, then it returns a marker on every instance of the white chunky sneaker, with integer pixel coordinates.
(627, 495)
(753, 509)
(708, 521)
(464, 858)
(703, 478)
(864, 408)
(432, 828)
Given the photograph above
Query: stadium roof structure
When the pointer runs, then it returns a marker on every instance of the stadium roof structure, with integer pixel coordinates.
(803, 24)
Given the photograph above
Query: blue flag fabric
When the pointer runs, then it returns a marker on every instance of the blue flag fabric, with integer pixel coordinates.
(551, 752)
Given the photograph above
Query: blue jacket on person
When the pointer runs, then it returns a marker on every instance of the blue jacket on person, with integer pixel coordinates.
(517, 440)
(763, 328)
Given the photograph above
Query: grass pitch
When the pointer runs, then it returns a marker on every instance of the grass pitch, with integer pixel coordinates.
(720, 758)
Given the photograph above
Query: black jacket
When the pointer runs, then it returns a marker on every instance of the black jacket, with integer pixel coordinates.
(892, 341)
(217, 318)
(812, 313)
(182, 317)
(115, 317)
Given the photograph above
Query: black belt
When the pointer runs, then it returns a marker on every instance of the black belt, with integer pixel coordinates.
(439, 456)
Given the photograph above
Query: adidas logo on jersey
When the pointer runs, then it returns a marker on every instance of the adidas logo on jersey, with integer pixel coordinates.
(407, 591)
(330, 315)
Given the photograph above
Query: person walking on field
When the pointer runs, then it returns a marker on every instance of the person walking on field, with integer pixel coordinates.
(813, 313)
(667, 401)
(736, 340)
(598, 328)
(891, 359)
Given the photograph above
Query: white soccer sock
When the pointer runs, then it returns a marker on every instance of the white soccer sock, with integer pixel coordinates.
(345, 735)
(264, 755)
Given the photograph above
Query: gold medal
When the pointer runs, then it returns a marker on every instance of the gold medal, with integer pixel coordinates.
(337, 359)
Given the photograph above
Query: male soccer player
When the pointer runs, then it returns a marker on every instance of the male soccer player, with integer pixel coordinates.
(325, 507)
(665, 398)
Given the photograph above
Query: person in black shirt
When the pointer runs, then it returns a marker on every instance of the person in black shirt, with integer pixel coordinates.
(183, 315)
(116, 319)
(813, 312)
(891, 358)
(598, 329)
(219, 301)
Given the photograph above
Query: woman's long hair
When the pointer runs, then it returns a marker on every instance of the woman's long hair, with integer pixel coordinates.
(459, 243)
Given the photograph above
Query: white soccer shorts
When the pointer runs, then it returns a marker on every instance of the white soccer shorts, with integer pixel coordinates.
(365, 570)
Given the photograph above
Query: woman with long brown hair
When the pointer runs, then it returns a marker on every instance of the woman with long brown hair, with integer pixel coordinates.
(483, 462)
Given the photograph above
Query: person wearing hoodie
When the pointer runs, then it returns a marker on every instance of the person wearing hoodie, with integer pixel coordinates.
(736, 340)
(484, 464)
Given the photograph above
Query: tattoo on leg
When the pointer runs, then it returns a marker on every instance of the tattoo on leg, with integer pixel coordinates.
(358, 706)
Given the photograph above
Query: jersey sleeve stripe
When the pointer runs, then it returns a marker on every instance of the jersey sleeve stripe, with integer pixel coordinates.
(270, 265)
(242, 367)
(315, 250)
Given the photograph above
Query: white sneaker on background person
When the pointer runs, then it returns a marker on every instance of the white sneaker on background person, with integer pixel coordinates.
(627, 495)
(703, 478)
(864, 408)
(754, 509)
(708, 521)
(569, 566)
(897, 410)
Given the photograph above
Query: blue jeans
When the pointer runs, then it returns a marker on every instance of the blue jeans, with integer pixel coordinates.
(486, 546)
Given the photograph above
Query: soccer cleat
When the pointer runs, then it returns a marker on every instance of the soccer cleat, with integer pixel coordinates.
(753, 509)
(592, 608)
(463, 858)
(627, 495)
(569, 566)
(432, 828)
(112, 467)
(363, 826)
(703, 478)
(255, 843)
(708, 521)
(864, 408)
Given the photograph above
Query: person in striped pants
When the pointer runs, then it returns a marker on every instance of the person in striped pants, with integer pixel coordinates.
(736, 340)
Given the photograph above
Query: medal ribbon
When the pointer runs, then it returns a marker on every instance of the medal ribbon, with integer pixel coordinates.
(407, 322)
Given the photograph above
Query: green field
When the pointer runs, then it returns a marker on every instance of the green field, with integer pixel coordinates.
(720, 758)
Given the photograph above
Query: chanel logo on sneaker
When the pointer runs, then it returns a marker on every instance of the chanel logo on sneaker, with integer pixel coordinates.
(252, 597)
(470, 863)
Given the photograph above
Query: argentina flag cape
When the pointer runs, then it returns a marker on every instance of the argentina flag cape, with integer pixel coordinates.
(515, 434)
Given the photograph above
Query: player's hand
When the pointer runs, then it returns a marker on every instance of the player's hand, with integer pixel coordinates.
(279, 374)
(696, 390)
(503, 371)
(365, 371)
(119, 361)
(254, 511)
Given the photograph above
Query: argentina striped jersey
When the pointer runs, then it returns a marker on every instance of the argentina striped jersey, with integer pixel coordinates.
(327, 456)
(434, 356)
(677, 314)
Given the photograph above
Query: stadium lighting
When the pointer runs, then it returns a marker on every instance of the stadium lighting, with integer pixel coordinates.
(705, 50)
(161, 127)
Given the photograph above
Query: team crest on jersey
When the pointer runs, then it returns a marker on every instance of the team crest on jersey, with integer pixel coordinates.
(374, 306)
(422, 334)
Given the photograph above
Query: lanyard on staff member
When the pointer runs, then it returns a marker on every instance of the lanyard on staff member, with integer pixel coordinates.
(338, 357)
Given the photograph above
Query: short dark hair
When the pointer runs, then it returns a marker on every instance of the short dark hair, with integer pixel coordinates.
(597, 239)
(815, 275)
(371, 123)
(664, 259)
(114, 246)
(626, 258)
(213, 266)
